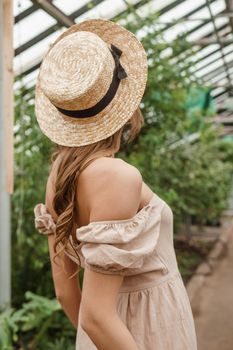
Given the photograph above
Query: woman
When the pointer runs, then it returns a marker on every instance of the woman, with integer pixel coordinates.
(98, 212)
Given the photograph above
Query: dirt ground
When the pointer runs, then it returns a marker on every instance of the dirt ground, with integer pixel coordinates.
(213, 307)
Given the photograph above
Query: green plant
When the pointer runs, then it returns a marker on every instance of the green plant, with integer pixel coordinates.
(34, 324)
(193, 176)
(29, 250)
(179, 152)
(8, 329)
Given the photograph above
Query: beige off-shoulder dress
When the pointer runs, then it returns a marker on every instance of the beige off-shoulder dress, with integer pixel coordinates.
(152, 301)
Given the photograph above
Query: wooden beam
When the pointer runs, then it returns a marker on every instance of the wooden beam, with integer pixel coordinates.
(53, 28)
(229, 8)
(211, 41)
(75, 15)
(8, 89)
(55, 12)
(6, 147)
(197, 19)
(80, 11)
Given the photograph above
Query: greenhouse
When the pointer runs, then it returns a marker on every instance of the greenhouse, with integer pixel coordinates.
(183, 153)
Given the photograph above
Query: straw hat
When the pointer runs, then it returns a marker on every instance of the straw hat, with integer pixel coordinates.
(91, 81)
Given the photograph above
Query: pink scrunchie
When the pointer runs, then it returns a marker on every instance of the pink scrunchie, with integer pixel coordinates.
(43, 220)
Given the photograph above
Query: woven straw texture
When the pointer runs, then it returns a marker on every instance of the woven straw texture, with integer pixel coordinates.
(76, 73)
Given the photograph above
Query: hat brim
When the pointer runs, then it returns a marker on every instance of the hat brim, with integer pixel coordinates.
(68, 131)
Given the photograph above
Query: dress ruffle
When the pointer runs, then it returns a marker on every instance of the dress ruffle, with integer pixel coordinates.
(121, 246)
(113, 246)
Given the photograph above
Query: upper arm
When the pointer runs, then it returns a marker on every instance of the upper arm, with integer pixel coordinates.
(113, 194)
(65, 267)
(61, 271)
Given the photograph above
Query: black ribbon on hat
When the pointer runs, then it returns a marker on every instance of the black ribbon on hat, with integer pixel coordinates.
(121, 74)
(118, 74)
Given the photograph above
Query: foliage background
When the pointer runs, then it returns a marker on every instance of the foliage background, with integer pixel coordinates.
(193, 174)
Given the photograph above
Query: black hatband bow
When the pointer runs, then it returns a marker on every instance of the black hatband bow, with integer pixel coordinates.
(118, 74)
(121, 73)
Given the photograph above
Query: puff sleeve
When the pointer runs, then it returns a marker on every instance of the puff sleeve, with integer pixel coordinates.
(121, 246)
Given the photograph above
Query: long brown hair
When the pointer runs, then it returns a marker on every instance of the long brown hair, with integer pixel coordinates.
(72, 160)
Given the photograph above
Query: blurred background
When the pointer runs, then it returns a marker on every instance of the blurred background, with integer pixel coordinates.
(184, 152)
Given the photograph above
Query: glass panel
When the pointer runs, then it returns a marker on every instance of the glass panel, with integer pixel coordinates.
(20, 6)
(31, 26)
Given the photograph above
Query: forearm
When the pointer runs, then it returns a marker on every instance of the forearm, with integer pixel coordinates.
(70, 303)
(110, 333)
(71, 311)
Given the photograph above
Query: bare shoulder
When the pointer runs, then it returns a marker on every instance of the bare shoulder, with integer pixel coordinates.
(112, 188)
(109, 167)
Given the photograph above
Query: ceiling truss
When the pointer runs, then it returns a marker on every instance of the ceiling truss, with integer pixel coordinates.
(221, 35)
